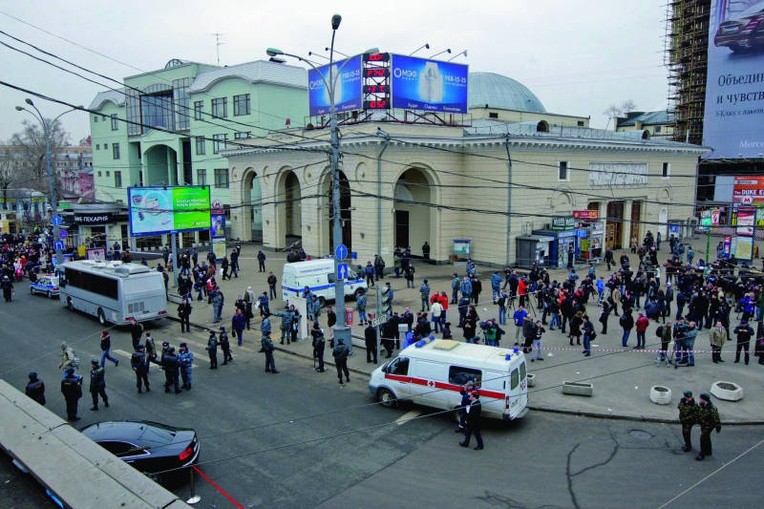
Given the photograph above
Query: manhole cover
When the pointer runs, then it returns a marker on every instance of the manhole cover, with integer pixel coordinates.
(640, 435)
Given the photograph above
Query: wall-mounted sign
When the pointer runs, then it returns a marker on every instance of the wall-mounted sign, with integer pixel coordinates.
(88, 218)
(563, 223)
(586, 214)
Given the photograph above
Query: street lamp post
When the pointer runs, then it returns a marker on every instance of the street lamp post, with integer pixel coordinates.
(341, 330)
(386, 141)
(47, 126)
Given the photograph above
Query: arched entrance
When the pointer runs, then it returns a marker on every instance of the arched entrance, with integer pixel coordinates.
(289, 198)
(412, 211)
(251, 200)
(345, 212)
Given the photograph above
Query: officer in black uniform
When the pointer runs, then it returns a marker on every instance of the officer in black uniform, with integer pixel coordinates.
(171, 369)
(71, 388)
(225, 345)
(98, 384)
(212, 350)
(36, 388)
(140, 364)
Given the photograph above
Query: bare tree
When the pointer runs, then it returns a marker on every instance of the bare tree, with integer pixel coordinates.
(7, 168)
(614, 111)
(31, 144)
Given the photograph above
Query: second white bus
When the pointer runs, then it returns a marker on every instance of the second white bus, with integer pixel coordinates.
(114, 292)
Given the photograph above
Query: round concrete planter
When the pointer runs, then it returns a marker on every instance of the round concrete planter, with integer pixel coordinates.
(660, 395)
(727, 391)
(531, 380)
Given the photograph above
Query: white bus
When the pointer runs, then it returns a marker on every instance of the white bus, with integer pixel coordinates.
(114, 292)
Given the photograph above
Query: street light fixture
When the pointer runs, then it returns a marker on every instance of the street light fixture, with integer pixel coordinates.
(458, 55)
(341, 330)
(447, 50)
(47, 126)
(425, 46)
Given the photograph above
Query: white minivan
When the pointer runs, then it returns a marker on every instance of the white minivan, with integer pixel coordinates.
(432, 372)
(319, 277)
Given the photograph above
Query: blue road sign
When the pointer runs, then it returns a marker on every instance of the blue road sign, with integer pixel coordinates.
(342, 271)
(58, 245)
(341, 252)
(63, 234)
(57, 220)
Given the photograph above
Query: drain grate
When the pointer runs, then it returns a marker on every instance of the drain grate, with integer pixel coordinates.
(640, 434)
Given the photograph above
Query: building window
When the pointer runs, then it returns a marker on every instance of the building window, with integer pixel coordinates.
(240, 105)
(218, 142)
(115, 150)
(657, 129)
(221, 178)
(198, 109)
(242, 135)
(201, 177)
(103, 117)
(666, 173)
(98, 146)
(220, 107)
(95, 118)
(106, 146)
(117, 179)
(201, 146)
(108, 173)
(493, 114)
(563, 173)
(114, 123)
(99, 173)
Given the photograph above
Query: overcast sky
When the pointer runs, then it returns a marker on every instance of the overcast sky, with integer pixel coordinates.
(577, 56)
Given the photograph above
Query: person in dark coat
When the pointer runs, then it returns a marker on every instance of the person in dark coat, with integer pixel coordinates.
(340, 353)
(473, 422)
(212, 350)
(184, 313)
(267, 348)
(688, 417)
(172, 370)
(98, 384)
(319, 344)
(140, 364)
(370, 335)
(106, 349)
(708, 418)
(36, 388)
(225, 345)
(71, 388)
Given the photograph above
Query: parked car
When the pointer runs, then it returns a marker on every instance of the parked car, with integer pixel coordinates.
(743, 32)
(46, 284)
(157, 450)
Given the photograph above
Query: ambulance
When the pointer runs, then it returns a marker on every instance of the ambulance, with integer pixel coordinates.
(432, 372)
(319, 277)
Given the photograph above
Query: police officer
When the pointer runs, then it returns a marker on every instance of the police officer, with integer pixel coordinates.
(98, 384)
(225, 345)
(319, 344)
(161, 362)
(370, 335)
(184, 313)
(171, 366)
(186, 361)
(688, 416)
(340, 353)
(266, 347)
(140, 364)
(36, 388)
(212, 350)
(71, 388)
(708, 417)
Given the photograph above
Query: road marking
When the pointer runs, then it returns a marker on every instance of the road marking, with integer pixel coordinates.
(408, 416)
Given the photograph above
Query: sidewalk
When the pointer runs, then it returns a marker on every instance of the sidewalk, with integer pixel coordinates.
(622, 378)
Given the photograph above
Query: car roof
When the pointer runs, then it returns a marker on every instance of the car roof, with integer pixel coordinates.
(132, 431)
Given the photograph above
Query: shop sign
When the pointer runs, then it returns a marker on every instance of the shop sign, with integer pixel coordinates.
(586, 214)
(90, 218)
(563, 223)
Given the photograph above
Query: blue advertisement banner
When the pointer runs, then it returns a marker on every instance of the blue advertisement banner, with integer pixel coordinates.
(733, 123)
(348, 89)
(217, 231)
(430, 85)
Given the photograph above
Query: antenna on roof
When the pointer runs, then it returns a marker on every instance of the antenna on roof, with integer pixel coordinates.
(218, 42)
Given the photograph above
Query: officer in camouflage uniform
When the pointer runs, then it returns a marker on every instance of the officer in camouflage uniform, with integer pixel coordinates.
(688, 416)
(708, 418)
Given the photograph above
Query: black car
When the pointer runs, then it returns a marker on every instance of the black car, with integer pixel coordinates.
(744, 32)
(155, 449)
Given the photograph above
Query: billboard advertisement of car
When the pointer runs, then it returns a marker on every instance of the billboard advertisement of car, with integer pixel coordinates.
(429, 85)
(734, 112)
(348, 87)
(158, 210)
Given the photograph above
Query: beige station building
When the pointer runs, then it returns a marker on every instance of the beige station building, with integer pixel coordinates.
(508, 183)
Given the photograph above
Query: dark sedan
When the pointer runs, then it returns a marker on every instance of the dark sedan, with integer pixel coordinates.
(743, 32)
(152, 448)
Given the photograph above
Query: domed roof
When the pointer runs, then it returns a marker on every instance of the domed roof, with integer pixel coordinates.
(501, 92)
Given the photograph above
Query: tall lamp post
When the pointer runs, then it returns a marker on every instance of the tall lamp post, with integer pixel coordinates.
(341, 330)
(47, 127)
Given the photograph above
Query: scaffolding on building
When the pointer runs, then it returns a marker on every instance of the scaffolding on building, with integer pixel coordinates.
(686, 56)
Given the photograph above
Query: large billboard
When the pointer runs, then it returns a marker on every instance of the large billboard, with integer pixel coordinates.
(430, 85)
(348, 89)
(733, 123)
(158, 210)
(748, 191)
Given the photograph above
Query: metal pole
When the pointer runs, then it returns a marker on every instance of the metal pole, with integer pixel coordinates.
(509, 200)
(378, 311)
(341, 330)
(175, 270)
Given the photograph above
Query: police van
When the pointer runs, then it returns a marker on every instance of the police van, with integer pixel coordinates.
(320, 278)
(432, 372)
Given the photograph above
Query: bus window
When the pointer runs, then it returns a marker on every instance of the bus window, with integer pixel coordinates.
(522, 371)
(515, 380)
(458, 375)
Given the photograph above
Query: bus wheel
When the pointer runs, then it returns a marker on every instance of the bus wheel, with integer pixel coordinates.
(387, 398)
(69, 305)
(101, 317)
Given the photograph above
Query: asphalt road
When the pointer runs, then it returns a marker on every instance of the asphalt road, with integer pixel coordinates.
(296, 439)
